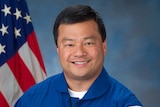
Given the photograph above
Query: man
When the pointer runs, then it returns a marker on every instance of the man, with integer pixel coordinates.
(80, 38)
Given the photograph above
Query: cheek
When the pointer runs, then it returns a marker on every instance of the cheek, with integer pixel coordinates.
(94, 53)
(98, 54)
(63, 55)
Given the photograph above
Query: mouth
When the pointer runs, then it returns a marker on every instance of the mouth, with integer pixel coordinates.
(80, 62)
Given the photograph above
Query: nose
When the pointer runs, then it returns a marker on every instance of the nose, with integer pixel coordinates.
(80, 51)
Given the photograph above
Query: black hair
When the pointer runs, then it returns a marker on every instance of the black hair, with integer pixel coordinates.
(78, 13)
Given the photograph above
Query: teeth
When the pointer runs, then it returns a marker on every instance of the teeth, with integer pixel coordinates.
(80, 63)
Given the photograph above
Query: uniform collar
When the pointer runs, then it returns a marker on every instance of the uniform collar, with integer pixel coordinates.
(61, 83)
(98, 88)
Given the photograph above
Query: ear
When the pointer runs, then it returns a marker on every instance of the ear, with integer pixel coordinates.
(105, 47)
(57, 50)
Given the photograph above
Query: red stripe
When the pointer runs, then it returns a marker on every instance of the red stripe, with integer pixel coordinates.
(21, 72)
(33, 44)
(3, 102)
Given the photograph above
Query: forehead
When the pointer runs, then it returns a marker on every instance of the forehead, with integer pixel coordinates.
(86, 28)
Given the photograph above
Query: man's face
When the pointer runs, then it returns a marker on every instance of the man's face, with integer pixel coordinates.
(81, 50)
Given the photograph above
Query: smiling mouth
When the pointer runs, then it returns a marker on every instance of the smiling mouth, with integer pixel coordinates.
(81, 62)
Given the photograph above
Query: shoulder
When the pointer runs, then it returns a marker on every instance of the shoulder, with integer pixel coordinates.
(45, 85)
(122, 94)
(39, 92)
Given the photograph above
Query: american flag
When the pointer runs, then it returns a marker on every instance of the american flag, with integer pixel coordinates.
(21, 64)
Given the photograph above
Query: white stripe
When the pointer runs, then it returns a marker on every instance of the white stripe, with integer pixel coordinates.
(134, 106)
(9, 86)
(32, 63)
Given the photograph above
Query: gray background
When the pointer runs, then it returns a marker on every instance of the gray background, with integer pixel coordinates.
(133, 29)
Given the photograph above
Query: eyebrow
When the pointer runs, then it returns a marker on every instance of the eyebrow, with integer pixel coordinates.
(67, 39)
(89, 37)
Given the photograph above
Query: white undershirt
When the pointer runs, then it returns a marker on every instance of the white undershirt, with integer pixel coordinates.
(76, 94)
(134, 106)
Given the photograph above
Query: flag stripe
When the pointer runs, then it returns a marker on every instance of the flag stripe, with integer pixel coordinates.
(33, 44)
(3, 101)
(21, 72)
(9, 93)
(24, 53)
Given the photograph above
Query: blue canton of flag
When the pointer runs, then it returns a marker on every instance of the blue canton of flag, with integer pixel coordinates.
(15, 27)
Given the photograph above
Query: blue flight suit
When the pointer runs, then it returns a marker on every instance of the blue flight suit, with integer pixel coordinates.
(53, 92)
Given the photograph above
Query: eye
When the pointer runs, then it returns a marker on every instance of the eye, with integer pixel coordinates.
(69, 45)
(89, 43)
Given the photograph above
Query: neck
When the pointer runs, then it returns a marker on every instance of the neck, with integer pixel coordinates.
(80, 85)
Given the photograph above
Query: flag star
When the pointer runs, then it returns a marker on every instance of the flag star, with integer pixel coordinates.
(4, 29)
(2, 48)
(6, 10)
(17, 14)
(17, 32)
(28, 18)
